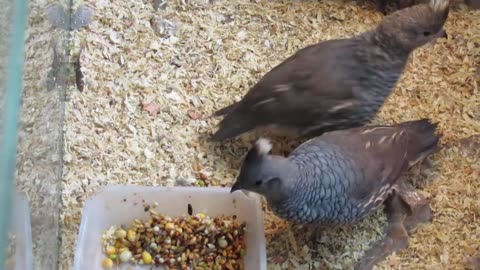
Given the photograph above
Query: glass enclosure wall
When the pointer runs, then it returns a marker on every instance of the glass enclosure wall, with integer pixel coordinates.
(34, 69)
(12, 32)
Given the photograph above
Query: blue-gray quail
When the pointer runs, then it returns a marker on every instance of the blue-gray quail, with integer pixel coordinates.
(344, 175)
(339, 177)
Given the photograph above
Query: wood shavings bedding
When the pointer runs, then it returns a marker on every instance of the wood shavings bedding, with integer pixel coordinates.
(219, 50)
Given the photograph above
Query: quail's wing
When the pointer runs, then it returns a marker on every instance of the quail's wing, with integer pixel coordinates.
(315, 81)
(380, 153)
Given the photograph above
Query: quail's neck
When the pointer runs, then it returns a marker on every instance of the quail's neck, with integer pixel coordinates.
(290, 179)
(389, 43)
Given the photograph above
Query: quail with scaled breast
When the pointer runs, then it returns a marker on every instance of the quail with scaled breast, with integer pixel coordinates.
(337, 178)
(335, 84)
(342, 176)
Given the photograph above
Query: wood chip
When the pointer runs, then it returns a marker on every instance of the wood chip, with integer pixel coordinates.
(194, 115)
(152, 108)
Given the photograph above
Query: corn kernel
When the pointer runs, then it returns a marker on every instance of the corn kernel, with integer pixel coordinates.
(131, 235)
(120, 233)
(107, 264)
(110, 250)
(121, 249)
(169, 226)
(147, 258)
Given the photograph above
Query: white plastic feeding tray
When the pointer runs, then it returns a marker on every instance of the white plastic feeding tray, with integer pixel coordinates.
(115, 205)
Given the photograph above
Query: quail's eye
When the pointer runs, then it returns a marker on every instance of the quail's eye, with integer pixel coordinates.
(426, 33)
(258, 183)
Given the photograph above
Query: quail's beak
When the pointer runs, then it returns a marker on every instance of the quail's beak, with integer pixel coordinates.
(235, 187)
(442, 34)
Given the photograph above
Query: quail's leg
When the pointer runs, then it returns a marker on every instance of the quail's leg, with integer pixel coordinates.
(474, 263)
(316, 234)
(396, 235)
(418, 206)
(405, 209)
(382, 6)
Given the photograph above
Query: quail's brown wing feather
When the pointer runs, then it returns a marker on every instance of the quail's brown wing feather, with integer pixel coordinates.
(380, 152)
(313, 90)
(309, 83)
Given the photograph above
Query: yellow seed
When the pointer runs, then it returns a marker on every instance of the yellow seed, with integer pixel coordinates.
(131, 235)
(113, 256)
(154, 213)
(107, 264)
(120, 233)
(122, 249)
(147, 258)
(169, 226)
(193, 222)
(192, 241)
(111, 250)
(201, 215)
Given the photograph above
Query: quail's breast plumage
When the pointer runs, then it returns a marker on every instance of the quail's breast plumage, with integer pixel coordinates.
(342, 176)
(319, 196)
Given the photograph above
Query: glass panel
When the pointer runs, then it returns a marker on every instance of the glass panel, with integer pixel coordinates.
(41, 51)
(12, 30)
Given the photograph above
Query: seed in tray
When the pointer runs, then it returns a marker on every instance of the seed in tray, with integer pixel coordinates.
(189, 242)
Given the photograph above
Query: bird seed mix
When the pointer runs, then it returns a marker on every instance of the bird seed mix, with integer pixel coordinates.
(189, 242)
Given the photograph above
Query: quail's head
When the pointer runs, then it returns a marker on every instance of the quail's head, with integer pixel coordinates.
(474, 4)
(265, 174)
(415, 26)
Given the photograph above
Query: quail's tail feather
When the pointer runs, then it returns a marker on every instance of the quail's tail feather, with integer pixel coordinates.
(233, 125)
(423, 138)
(225, 110)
